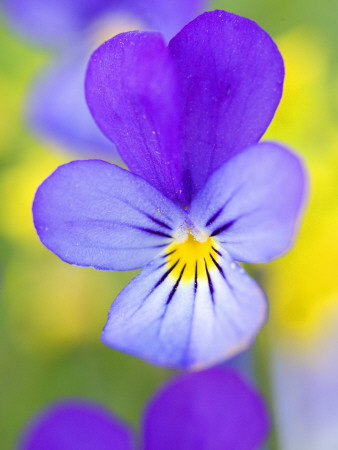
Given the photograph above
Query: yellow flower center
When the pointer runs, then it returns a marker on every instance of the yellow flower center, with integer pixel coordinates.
(192, 259)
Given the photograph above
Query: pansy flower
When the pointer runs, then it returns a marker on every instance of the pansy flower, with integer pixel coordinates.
(57, 110)
(200, 195)
(210, 410)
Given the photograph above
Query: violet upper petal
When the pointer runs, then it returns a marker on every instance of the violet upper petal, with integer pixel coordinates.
(209, 410)
(231, 79)
(252, 204)
(187, 313)
(57, 110)
(92, 213)
(131, 91)
(76, 425)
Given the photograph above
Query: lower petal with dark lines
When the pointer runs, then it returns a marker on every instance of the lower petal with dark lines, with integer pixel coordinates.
(174, 317)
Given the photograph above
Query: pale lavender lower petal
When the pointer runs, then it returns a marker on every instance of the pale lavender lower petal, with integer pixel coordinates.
(177, 316)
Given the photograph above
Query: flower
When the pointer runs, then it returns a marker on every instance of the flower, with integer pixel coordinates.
(201, 194)
(56, 108)
(210, 410)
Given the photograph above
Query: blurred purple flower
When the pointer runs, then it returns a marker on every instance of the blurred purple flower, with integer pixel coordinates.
(211, 410)
(201, 193)
(57, 109)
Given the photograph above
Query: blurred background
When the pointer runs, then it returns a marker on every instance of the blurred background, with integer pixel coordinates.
(51, 313)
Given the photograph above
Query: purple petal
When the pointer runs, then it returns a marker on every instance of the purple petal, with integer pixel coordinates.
(186, 313)
(76, 425)
(131, 92)
(252, 204)
(92, 213)
(57, 110)
(210, 410)
(231, 77)
(54, 22)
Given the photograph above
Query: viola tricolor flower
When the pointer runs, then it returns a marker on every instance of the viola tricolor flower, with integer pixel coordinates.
(57, 109)
(210, 410)
(201, 194)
